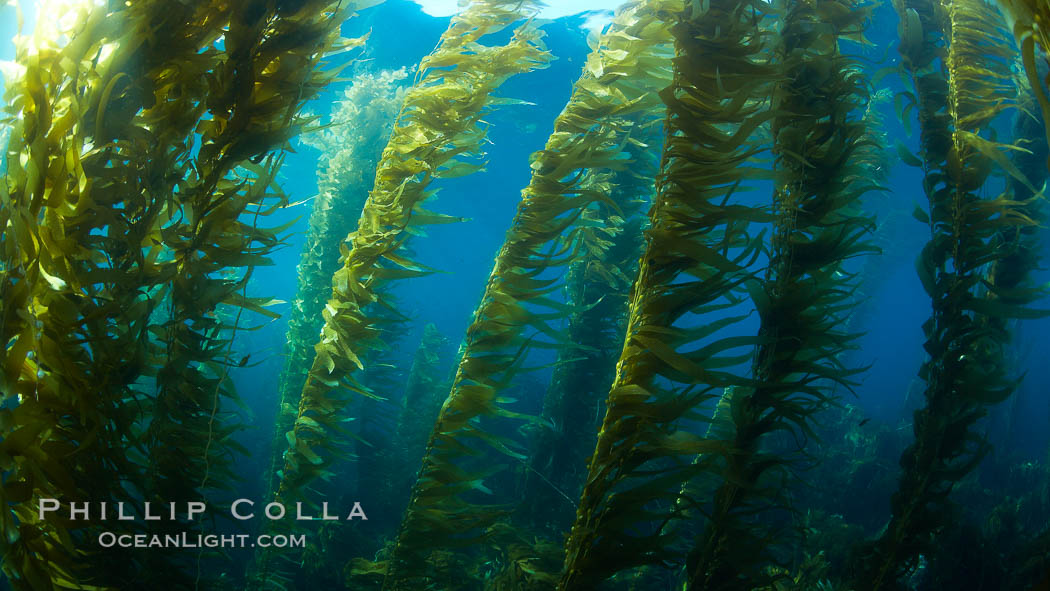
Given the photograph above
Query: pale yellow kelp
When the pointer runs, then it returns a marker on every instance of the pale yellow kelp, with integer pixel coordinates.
(1030, 22)
(439, 134)
(571, 176)
(351, 143)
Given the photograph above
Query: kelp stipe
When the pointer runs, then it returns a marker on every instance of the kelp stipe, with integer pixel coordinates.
(45, 264)
(697, 260)
(958, 58)
(351, 145)
(434, 137)
(807, 294)
(425, 391)
(570, 176)
(82, 271)
(596, 286)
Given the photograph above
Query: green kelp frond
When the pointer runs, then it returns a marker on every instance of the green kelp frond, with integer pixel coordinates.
(961, 73)
(438, 134)
(255, 95)
(120, 241)
(93, 159)
(697, 260)
(359, 128)
(806, 296)
(467, 451)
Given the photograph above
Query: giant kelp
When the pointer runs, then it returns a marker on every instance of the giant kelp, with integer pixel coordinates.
(1027, 19)
(124, 240)
(350, 145)
(271, 71)
(438, 134)
(807, 292)
(435, 136)
(699, 261)
(86, 192)
(696, 259)
(144, 159)
(516, 313)
(957, 57)
(596, 287)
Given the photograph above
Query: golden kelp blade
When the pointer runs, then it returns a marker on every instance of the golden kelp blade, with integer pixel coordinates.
(439, 127)
(570, 178)
(116, 218)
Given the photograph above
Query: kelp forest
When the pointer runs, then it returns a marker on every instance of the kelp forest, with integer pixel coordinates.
(668, 377)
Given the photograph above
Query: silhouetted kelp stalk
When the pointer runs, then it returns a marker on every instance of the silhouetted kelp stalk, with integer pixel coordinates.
(699, 261)
(425, 391)
(959, 61)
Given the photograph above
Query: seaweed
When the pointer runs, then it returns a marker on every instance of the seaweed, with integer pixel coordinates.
(435, 134)
(517, 313)
(806, 295)
(91, 159)
(351, 144)
(696, 260)
(699, 261)
(124, 240)
(959, 60)
(596, 287)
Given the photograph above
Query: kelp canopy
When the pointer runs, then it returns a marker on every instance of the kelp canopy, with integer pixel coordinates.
(656, 387)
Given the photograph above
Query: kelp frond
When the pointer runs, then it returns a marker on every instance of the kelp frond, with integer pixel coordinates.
(570, 176)
(962, 78)
(806, 297)
(1029, 19)
(360, 127)
(697, 260)
(438, 134)
(700, 261)
(121, 241)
